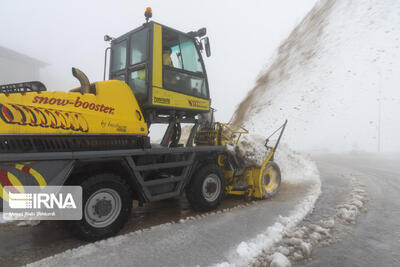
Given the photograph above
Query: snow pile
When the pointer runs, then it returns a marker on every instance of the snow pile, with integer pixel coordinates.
(251, 149)
(326, 76)
(279, 260)
(2, 219)
(297, 243)
(349, 210)
(296, 167)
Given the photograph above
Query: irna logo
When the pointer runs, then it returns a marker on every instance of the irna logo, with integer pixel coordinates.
(41, 201)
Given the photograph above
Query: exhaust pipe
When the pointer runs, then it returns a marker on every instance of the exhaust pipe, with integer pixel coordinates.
(83, 80)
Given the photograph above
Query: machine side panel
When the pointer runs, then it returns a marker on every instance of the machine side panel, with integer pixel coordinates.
(167, 98)
(34, 173)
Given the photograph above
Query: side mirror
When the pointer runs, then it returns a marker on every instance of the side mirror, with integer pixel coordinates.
(107, 38)
(206, 43)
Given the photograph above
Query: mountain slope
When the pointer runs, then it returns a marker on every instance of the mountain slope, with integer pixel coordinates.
(327, 76)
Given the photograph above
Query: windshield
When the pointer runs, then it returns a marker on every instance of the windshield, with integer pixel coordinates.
(139, 49)
(183, 71)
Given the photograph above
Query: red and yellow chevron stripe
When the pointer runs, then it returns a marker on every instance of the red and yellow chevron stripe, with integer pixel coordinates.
(9, 179)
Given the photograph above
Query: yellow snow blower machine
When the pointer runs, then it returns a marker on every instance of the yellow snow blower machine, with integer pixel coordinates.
(97, 135)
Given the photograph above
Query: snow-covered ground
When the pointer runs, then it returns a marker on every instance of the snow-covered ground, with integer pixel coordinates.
(328, 77)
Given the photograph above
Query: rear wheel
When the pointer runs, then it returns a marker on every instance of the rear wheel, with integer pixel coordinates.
(106, 207)
(271, 179)
(206, 189)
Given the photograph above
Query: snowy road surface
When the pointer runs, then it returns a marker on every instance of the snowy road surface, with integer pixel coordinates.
(375, 239)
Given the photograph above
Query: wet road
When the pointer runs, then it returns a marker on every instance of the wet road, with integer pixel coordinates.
(20, 245)
(200, 242)
(375, 239)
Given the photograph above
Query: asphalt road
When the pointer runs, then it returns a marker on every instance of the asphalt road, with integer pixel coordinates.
(375, 239)
(203, 241)
(20, 245)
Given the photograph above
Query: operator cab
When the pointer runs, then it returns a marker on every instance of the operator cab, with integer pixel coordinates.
(165, 70)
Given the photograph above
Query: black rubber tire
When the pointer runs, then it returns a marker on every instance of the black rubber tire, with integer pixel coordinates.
(82, 229)
(275, 166)
(194, 191)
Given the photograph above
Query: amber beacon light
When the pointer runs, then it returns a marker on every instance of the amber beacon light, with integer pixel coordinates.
(148, 13)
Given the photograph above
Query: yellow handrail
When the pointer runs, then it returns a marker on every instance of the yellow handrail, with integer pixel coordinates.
(236, 141)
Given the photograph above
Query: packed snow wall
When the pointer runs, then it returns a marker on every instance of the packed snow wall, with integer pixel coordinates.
(334, 78)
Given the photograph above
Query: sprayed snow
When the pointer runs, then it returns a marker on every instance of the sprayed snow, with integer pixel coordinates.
(251, 149)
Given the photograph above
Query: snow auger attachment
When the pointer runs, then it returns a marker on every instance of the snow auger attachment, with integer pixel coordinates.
(250, 181)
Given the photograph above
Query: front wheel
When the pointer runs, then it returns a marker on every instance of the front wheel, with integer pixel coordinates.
(106, 207)
(271, 179)
(206, 189)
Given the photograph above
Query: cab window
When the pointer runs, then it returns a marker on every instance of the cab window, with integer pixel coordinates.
(190, 57)
(139, 49)
(118, 56)
(138, 83)
(182, 68)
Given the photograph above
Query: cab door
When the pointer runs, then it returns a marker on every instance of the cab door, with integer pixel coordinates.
(179, 77)
(130, 60)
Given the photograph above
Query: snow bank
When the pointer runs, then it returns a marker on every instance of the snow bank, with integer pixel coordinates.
(326, 76)
(1, 218)
(296, 168)
(350, 209)
(297, 243)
